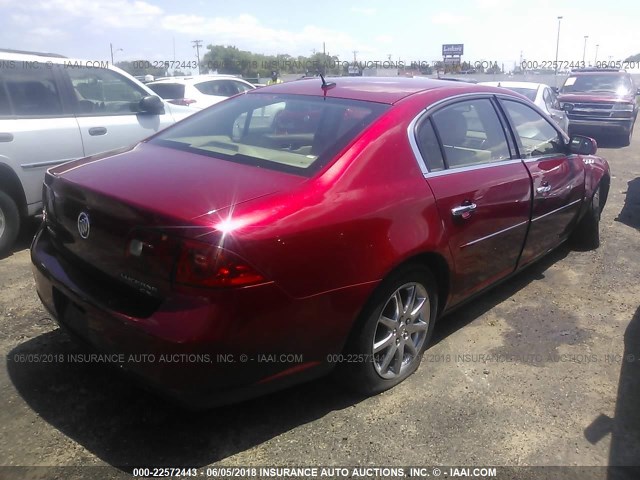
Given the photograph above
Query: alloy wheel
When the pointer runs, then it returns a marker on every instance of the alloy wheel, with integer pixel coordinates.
(401, 330)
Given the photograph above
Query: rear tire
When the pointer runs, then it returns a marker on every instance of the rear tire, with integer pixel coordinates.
(9, 223)
(392, 332)
(587, 233)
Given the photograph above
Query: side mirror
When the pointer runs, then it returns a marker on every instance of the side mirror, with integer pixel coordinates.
(582, 145)
(638, 92)
(151, 104)
(556, 89)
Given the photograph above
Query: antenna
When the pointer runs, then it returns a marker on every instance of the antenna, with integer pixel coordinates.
(325, 85)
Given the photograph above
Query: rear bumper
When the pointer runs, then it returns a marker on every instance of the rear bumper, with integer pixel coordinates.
(205, 350)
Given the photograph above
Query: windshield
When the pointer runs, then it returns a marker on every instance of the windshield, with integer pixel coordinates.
(293, 133)
(615, 84)
(530, 93)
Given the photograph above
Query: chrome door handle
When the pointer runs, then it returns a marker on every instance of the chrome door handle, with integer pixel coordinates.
(463, 211)
(544, 188)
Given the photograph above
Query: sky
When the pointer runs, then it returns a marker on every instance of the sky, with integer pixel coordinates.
(492, 30)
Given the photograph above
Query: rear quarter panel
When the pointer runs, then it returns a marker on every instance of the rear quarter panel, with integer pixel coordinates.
(356, 221)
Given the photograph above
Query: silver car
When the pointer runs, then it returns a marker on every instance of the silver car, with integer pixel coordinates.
(540, 94)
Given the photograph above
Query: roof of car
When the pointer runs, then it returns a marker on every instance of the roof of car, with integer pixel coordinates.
(597, 72)
(374, 89)
(529, 85)
(196, 78)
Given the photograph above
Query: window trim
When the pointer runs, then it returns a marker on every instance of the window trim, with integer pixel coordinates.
(426, 113)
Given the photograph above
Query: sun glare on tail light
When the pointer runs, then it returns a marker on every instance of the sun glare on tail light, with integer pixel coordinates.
(204, 265)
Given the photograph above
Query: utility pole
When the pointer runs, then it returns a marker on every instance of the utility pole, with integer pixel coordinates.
(584, 50)
(197, 44)
(557, 48)
(112, 51)
(596, 59)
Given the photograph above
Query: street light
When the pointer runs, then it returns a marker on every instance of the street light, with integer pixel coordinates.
(117, 50)
(595, 61)
(584, 50)
(557, 48)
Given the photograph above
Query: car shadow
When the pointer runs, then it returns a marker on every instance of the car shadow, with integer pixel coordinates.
(480, 305)
(126, 426)
(28, 230)
(630, 213)
(625, 424)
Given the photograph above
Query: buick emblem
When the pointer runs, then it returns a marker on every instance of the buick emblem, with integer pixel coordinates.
(84, 226)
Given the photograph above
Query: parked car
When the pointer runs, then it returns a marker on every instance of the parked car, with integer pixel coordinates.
(200, 91)
(601, 101)
(54, 109)
(540, 94)
(306, 226)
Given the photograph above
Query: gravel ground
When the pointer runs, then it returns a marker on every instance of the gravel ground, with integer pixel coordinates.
(543, 370)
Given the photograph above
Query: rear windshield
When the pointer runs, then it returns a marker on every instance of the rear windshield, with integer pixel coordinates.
(617, 84)
(530, 93)
(293, 133)
(168, 90)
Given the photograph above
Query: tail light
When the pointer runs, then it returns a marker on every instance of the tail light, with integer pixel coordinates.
(182, 101)
(204, 265)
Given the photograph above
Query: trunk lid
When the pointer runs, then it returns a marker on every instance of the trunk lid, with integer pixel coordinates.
(122, 216)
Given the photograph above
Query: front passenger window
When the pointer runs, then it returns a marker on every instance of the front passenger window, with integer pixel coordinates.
(536, 135)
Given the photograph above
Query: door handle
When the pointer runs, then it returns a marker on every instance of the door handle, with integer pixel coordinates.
(464, 211)
(6, 137)
(97, 131)
(544, 188)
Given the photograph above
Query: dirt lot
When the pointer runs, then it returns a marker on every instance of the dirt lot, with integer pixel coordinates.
(543, 370)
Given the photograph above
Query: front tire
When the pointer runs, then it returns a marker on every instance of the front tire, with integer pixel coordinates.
(393, 331)
(587, 233)
(9, 223)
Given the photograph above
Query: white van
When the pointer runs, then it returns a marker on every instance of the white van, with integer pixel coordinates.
(54, 109)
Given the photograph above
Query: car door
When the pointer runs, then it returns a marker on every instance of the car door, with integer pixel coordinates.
(107, 111)
(553, 109)
(558, 178)
(37, 130)
(482, 192)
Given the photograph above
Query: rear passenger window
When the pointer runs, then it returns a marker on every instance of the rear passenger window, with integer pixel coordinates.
(471, 133)
(5, 106)
(429, 147)
(536, 135)
(33, 92)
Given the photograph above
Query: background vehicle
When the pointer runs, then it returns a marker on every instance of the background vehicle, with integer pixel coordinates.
(600, 102)
(54, 109)
(201, 91)
(309, 224)
(540, 94)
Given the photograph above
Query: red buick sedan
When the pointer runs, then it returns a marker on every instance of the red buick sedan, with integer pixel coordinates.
(305, 226)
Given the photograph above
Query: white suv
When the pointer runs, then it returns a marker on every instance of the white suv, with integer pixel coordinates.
(54, 109)
(200, 91)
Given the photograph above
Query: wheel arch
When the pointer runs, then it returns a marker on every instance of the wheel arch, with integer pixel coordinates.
(12, 186)
(438, 266)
